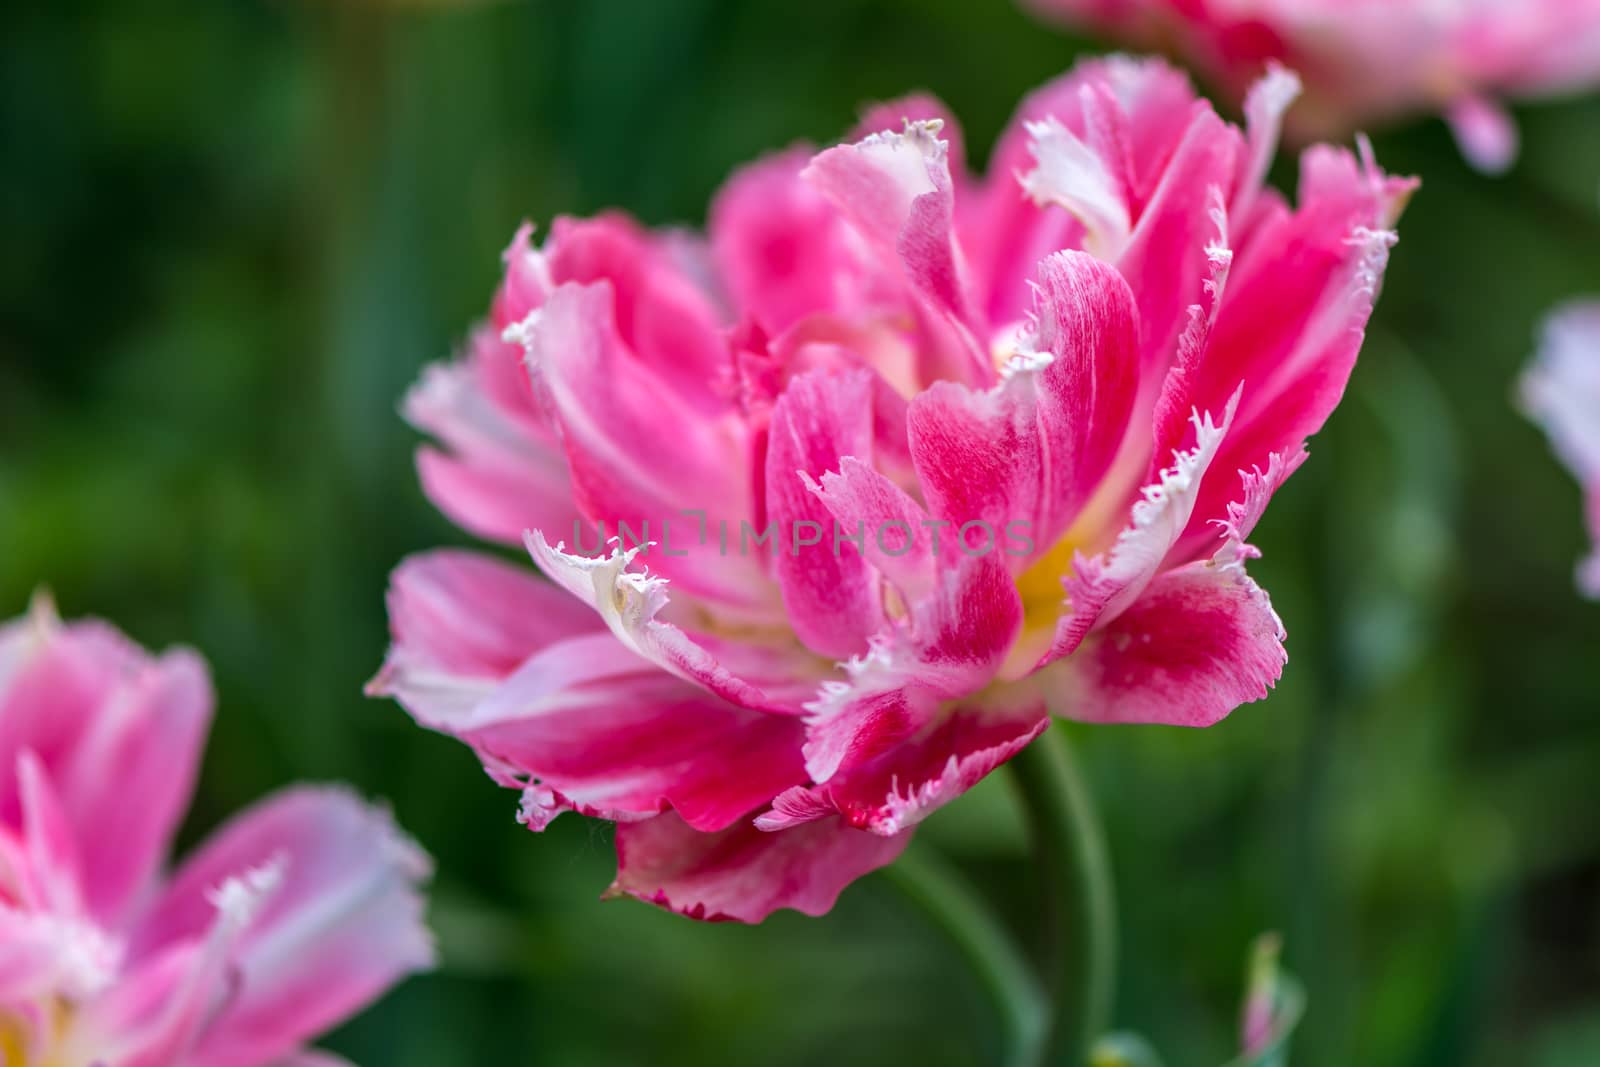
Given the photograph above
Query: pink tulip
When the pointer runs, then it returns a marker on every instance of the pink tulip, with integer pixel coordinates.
(1007, 439)
(292, 918)
(1561, 390)
(1373, 60)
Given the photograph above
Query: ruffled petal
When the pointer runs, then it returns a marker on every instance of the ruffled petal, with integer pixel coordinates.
(955, 749)
(1033, 449)
(829, 591)
(1198, 642)
(742, 873)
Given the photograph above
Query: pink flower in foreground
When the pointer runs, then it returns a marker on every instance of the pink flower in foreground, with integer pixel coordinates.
(1373, 60)
(924, 456)
(292, 918)
(1561, 390)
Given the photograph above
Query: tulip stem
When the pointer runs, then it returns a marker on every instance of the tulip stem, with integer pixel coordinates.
(941, 892)
(1080, 917)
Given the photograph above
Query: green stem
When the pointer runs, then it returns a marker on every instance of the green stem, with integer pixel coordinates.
(1081, 921)
(941, 892)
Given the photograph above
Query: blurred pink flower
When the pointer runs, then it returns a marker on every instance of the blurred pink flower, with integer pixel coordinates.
(1372, 60)
(293, 917)
(923, 456)
(1561, 391)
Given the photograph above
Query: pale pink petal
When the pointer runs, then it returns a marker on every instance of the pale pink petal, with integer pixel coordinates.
(342, 924)
(312, 1058)
(742, 873)
(830, 593)
(461, 623)
(49, 955)
(500, 471)
(106, 722)
(1561, 391)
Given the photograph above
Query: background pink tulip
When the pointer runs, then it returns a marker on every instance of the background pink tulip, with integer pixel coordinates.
(1072, 386)
(1372, 60)
(1561, 391)
(294, 916)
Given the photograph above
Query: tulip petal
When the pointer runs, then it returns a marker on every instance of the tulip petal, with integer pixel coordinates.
(744, 874)
(829, 591)
(342, 924)
(1561, 391)
(904, 784)
(1035, 447)
(1198, 642)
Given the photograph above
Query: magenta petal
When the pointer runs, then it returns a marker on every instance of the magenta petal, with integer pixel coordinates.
(903, 785)
(829, 591)
(951, 646)
(1199, 641)
(1034, 448)
(742, 873)
(783, 251)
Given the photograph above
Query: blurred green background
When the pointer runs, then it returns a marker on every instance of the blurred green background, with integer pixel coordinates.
(231, 234)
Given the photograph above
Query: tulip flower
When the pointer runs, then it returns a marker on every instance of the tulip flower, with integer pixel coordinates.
(1373, 60)
(1561, 391)
(836, 506)
(291, 918)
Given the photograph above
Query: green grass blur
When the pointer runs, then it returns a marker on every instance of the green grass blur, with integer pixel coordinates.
(231, 234)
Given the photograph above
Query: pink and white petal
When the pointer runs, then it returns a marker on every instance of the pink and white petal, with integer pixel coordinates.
(639, 453)
(743, 874)
(1294, 318)
(158, 1009)
(342, 924)
(951, 645)
(898, 535)
(1154, 105)
(51, 875)
(461, 622)
(629, 602)
(500, 471)
(908, 781)
(49, 955)
(895, 188)
(891, 116)
(1102, 587)
(1197, 643)
(629, 746)
(1034, 448)
(830, 593)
